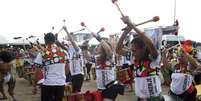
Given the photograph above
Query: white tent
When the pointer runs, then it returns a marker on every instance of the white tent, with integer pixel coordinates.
(9, 39)
(3, 40)
(93, 41)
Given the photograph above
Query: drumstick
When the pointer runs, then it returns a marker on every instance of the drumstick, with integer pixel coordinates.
(118, 8)
(154, 19)
(78, 30)
(62, 26)
(60, 30)
(83, 25)
(52, 28)
(101, 30)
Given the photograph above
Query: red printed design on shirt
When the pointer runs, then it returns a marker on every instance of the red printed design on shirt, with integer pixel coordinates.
(143, 69)
(53, 56)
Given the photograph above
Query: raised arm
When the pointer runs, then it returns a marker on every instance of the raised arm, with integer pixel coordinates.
(147, 41)
(71, 39)
(38, 46)
(61, 45)
(120, 49)
(58, 43)
(104, 44)
(107, 48)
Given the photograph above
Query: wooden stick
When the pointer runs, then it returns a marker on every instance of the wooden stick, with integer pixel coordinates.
(154, 19)
(60, 30)
(118, 8)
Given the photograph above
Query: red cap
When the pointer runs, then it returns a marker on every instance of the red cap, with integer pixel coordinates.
(188, 42)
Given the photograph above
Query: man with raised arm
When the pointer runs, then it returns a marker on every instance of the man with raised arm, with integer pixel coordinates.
(52, 59)
(6, 76)
(76, 63)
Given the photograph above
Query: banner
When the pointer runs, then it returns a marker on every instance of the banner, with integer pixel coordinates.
(155, 34)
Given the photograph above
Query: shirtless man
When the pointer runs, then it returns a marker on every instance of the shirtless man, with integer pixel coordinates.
(6, 76)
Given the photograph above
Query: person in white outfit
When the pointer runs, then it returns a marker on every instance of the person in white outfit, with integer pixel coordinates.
(76, 64)
(53, 60)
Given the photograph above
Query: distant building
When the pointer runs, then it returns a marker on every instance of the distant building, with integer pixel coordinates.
(80, 37)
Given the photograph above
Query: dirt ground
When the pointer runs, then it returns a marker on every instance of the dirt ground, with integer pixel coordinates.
(23, 91)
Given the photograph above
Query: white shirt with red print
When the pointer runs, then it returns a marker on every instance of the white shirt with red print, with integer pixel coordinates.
(76, 62)
(54, 66)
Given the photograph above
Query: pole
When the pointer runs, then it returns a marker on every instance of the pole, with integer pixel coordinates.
(175, 10)
(24, 45)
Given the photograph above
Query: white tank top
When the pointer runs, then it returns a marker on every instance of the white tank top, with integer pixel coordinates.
(76, 62)
(180, 82)
(104, 77)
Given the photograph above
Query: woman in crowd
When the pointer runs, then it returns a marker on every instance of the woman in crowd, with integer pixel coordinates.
(182, 84)
(105, 70)
(146, 61)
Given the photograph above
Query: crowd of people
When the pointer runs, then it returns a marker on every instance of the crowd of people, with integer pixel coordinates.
(117, 64)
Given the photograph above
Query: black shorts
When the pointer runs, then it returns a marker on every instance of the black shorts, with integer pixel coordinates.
(186, 96)
(88, 65)
(77, 81)
(52, 93)
(113, 91)
(68, 77)
(197, 78)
